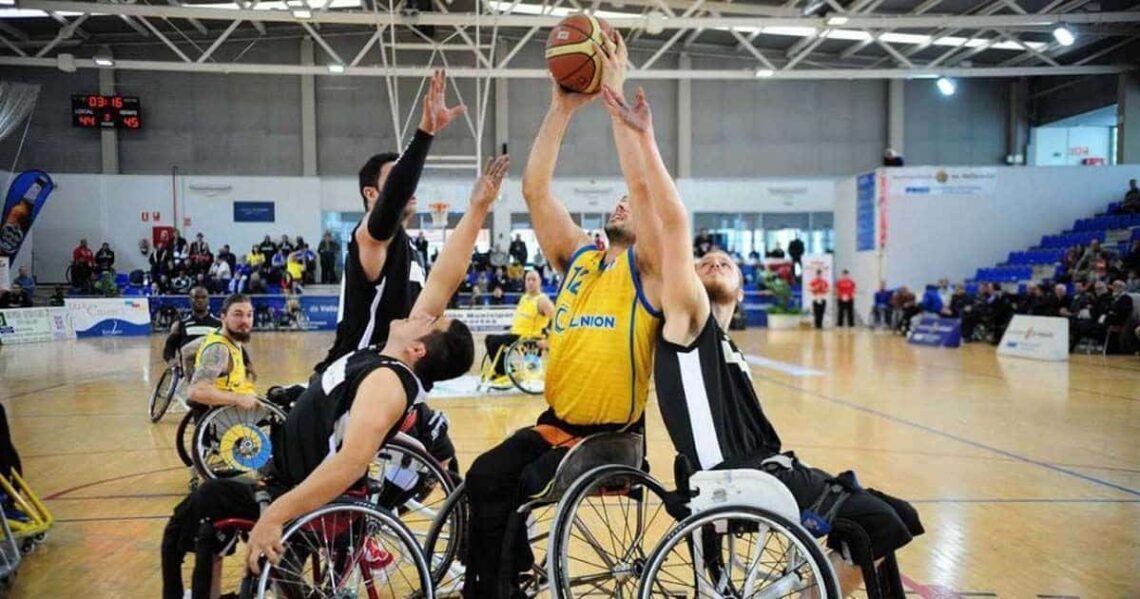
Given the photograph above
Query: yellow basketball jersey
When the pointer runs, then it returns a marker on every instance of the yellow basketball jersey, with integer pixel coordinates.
(528, 321)
(237, 380)
(601, 343)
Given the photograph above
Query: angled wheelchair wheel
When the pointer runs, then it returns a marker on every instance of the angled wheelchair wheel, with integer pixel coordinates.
(413, 485)
(229, 441)
(163, 392)
(184, 437)
(528, 579)
(525, 363)
(446, 544)
(347, 549)
(738, 551)
(608, 523)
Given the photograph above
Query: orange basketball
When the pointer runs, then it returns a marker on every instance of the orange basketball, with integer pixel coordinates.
(574, 52)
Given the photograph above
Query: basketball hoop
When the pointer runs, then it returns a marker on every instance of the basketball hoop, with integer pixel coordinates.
(439, 214)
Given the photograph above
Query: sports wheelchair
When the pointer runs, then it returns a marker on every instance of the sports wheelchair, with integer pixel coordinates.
(601, 512)
(524, 362)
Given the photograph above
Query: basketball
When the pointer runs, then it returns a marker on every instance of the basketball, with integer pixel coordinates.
(573, 52)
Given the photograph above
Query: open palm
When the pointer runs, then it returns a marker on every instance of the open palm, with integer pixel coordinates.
(636, 116)
(436, 114)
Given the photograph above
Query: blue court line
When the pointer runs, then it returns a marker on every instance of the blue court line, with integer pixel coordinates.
(1042, 500)
(954, 437)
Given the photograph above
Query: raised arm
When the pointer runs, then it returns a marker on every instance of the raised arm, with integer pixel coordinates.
(683, 297)
(384, 218)
(557, 234)
(646, 224)
(451, 265)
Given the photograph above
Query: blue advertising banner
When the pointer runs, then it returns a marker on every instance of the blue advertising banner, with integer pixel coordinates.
(936, 331)
(26, 196)
(865, 212)
(254, 212)
(278, 312)
(321, 311)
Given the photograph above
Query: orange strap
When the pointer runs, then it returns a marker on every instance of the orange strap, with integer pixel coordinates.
(555, 436)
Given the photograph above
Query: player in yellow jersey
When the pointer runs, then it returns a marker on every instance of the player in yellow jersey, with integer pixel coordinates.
(222, 372)
(603, 332)
(531, 317)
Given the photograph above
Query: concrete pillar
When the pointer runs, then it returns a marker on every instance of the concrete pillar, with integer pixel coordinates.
(684, 121)
(895, 117)
(110, 137)
(1017, 136)
(308, 113)
(1128, 118)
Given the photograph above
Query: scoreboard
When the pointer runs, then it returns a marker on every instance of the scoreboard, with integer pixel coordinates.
(106, 112)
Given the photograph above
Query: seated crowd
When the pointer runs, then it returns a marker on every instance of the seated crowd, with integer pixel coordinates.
(283, 266)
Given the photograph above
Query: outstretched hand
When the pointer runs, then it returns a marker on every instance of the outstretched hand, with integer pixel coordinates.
(436, 114)
(636, 116)
(487, 186)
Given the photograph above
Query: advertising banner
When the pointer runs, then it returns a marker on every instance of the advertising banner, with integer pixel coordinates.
(26, 196)
(109, 317)
(936, 331)
(1036, 337)
(34, 325)
(488, 320)
(935, 180)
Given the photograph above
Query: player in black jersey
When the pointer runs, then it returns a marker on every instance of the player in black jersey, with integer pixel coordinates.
(195, 325)
(704, 386)
(336, 426)
(383, 272)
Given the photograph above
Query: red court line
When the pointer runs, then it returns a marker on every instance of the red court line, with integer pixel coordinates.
(124, 496)
(59, 494)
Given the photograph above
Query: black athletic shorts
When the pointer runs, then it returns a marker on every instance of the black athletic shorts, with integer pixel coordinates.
(889, 522)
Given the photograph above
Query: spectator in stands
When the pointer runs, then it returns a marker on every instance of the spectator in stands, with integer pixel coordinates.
(199, 245)
(1088, 321)
(945, 293)
(882, 309)
(904, 304)
(286, 245)
(422, 247)
(309, 258)
(15, 297)
(1057, 303)
(515, 273)
(518, 250)
(82, 254)
(267, 247)
(57, 299)
(1117, 317)
(256, 259)
(1034, 303)
(290, 285)
(219, 276)
(499, 258)
(1131, 260)
(818, 288)
(180, 249)
(599, 242)
(240, 276)
(279, 260)
(181, 282)
(24, 280)
(328, 249)
(256, 284)
(892, 158)
(931, 300)
(1131, 203)
(497, 295)
(161, 260)
(958, 302)
(105, 285)
(1133, 282)
(845, 299)
(1090, 260)
(228, 256)
(796, 253)
(295, 265)
(776, 252)
(104, 259)
(702, 243)
(200, 257)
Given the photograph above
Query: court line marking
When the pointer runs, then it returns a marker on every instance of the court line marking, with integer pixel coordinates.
(952, 436)
(784, 367)
(1026, 500)
(59, 494)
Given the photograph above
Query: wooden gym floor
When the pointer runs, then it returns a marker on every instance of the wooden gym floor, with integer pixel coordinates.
(1026, 474)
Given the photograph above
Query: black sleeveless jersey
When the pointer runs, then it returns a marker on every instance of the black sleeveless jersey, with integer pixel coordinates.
(707, 400)
(368, 307)
(194, 327)
(317, 421)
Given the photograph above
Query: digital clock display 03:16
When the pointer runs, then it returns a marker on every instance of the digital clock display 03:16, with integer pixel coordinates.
(108, 112)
